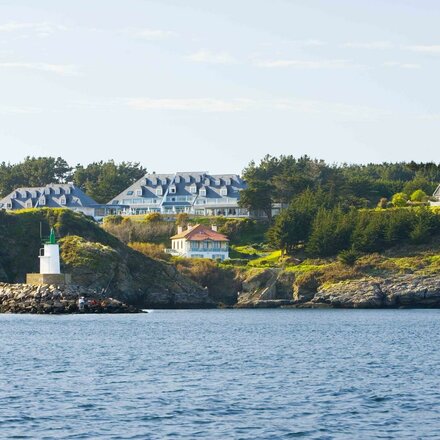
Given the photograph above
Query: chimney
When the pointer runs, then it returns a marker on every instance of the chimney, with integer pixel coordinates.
(179, 229)
(214, 228)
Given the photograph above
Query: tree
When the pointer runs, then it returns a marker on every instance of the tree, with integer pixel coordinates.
(105, 180)
(33, 171)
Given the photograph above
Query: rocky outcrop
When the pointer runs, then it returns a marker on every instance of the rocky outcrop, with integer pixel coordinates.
(96, 260)
(397, 291)
(267, 288)
(51, 299)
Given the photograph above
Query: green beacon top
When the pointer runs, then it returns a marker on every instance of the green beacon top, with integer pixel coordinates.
(52, 239)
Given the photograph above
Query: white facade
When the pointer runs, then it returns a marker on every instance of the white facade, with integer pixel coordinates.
(50, 259)
(200, 242)
(200, 249)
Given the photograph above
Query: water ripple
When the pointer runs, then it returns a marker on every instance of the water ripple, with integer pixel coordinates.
(239, 374)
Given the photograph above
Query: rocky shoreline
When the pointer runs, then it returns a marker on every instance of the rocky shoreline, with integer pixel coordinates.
(275, 288)
(52, 299)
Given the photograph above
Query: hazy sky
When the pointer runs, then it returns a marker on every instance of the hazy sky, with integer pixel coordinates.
(211, 84)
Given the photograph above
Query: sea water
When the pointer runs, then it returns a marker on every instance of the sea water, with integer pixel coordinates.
(222, 374)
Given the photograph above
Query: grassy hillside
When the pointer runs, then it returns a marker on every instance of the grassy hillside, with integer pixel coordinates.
(95, 258)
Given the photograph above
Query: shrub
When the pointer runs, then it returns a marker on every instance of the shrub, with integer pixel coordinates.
(419, 196)
(399, 199)
(348, 257)
(151, 250)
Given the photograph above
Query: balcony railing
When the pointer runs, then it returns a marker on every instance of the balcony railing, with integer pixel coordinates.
(208, 249)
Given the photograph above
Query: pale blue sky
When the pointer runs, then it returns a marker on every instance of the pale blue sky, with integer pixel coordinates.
(210, 85)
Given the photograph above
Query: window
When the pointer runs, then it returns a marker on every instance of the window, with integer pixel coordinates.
(159, 191)
(129, 193)
(9, 205)
(193, 189)
(139, 192)
(202, 192)
(57, 190)
(224, 192)
(67, 190)
(42, 200)
(217, 182)
(47, 191)
(14, 195)
(177, 179)
(207, 182)
(63, 200)
(172, 189)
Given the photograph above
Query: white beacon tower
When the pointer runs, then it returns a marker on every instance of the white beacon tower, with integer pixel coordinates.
(50, 256)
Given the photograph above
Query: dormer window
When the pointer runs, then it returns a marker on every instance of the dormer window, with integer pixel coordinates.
(139, 192)
(224, 192)
(14, 195)
(193, 189)
(202, 192)
(207, 182)
(34, 194)
(172, 189)
(42, 200)
(154, 181)
(177, 179)
(57, 190)
(217, 182)
(159, 191)
(23, 194)
(188, 179)
(228, 181)
(9, 205)
(47, 191)
(29, 204)
(63, 200)
(67, 190)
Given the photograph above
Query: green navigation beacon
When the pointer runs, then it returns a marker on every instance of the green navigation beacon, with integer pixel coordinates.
(52, 239)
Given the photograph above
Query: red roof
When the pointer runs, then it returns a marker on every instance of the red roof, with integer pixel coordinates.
(201, 233)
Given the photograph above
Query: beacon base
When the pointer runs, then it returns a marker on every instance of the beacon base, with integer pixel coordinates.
(49, 278)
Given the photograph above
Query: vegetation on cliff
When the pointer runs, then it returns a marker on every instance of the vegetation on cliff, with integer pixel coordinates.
(95, 258)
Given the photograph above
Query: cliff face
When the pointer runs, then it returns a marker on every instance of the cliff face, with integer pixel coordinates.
(401, 291)
(95, 259)
(266, 288)
(277, 288)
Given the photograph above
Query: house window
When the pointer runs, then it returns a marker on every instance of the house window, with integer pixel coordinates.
(46, 190)
(217, 182)
(139, 192)
(202, 192)
(172, 189)
(42, 200)
(67, 190)
(224, 192)
(193, 189)
(129, 193)
(8, 205)
(63, 200)
(57, 190)
(159, 191)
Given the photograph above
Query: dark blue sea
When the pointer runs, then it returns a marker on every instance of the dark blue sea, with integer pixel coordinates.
(222, 374)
